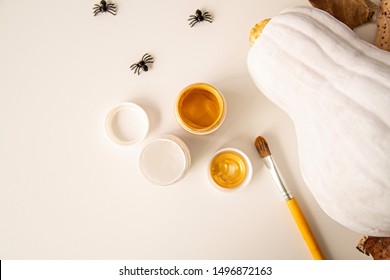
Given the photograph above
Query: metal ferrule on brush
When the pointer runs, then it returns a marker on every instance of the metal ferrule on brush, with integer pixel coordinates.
(271, 165)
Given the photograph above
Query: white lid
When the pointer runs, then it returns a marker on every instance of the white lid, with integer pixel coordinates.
(127, 124)
(165, 160)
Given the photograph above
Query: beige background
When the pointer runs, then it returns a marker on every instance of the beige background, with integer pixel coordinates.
(68, 192)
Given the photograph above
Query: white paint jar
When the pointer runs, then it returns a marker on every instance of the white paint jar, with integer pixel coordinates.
(127, 123)
(165, 160)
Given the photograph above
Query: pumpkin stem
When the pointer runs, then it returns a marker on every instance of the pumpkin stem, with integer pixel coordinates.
(256, 30)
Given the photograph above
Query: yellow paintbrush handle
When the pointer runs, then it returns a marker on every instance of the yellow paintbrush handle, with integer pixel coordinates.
(304, 229)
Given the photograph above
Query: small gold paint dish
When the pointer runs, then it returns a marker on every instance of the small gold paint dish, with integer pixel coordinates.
(230, 169)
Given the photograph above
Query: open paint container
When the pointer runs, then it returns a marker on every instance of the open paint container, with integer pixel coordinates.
(230, 169)
(127, 124)
(165, 160)
(200, 108)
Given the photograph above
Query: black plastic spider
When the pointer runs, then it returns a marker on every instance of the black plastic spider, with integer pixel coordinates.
(141, 65)
(104, 7)
(198, 17)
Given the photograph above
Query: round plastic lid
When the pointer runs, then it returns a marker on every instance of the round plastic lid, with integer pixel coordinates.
(164, 161)
(127, 124)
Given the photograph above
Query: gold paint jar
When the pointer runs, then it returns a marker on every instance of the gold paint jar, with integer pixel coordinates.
(200, 108)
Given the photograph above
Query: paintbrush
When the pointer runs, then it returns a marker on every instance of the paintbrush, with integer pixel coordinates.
(303, 226)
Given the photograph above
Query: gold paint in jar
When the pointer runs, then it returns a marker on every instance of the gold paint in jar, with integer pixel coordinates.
(230, 169)
(200, 108)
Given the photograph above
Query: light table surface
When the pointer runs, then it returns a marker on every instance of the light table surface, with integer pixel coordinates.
(68, 192)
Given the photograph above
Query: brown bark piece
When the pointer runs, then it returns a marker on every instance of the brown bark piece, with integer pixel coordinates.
(382, 38)
(351, 12)
(376, 247)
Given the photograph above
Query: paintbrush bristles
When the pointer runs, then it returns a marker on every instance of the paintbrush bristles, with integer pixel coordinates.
(262, 147)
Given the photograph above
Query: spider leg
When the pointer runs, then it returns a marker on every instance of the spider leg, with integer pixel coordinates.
(111, 7)
(139, 70)
(135, 69)
(96, 9)
(207, 17)
(193, 23)
(192, 18)
(111, 12)
(147, 58)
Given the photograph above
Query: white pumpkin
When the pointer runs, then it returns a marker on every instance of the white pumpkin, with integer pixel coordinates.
(336, 89)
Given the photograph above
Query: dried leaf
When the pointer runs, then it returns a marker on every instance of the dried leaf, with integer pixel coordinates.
(352, 12)
(382, 38)
(376, 247)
